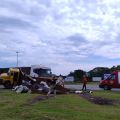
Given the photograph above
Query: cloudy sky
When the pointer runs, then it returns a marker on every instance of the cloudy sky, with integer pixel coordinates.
(62, 34)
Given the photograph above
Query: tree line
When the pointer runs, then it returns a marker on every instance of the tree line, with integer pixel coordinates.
(96, 72)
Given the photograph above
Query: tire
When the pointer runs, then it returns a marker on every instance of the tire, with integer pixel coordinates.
(8, 85)
(106, 87)
(35, 86)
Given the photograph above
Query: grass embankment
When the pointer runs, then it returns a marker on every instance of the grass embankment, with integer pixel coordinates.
(62, 107)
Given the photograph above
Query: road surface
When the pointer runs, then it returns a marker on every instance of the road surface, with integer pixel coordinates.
(89, 87)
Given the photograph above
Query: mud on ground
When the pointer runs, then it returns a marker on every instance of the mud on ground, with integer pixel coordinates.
(87, 96)
(99, 100)
(38, 98)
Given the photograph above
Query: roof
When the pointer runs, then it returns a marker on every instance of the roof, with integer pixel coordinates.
(40, 66)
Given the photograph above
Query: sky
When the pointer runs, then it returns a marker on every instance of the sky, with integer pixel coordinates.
(64, 35)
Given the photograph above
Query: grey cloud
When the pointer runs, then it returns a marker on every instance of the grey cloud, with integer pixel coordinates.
(38, 13)
(69, 53)
(9, 22)
(4, 30)
(57, 16)
(117, 13)
(47, 3)
(14, 5)
(118, 37)
(77, 39)
(26, 8)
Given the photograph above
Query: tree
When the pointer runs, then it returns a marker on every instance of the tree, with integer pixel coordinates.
(99, 72)
(113, 68)
(77, 74)
(71, 74)
(118, 67)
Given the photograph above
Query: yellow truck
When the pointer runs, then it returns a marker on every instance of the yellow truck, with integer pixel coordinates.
(11, 78)
(14, 77)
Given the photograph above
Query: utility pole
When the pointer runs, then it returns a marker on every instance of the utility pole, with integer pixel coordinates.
(17, 57)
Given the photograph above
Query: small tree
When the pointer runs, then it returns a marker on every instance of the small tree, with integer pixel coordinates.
(78, 74)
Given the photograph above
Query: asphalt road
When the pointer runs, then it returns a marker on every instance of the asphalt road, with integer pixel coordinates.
(89, 87)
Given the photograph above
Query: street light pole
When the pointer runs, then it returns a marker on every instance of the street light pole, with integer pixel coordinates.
(17, 57)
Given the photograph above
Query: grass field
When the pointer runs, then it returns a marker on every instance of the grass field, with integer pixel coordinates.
(62, 107)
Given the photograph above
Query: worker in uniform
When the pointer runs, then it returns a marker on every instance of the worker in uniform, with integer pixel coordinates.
(84, 82)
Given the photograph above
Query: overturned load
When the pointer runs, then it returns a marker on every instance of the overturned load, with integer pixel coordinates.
(21, 89)
(41, 85)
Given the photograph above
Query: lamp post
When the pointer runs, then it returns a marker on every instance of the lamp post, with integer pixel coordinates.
(17, 57)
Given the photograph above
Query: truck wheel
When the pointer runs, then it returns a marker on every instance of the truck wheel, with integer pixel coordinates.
(7, 85)
(106, 87)
(35, 86)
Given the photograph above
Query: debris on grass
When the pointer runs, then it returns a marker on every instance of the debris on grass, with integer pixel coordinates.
(38, 98)
(99, 100)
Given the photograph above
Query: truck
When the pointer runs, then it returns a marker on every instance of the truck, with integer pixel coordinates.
(33, 70)
(14, 76)
(112, 81)
(11, 78)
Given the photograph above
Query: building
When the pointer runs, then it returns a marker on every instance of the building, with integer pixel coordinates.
(69, 79)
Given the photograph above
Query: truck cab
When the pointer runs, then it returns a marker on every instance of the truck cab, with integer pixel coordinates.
(40, 71)
(113, 81)
(10, 78)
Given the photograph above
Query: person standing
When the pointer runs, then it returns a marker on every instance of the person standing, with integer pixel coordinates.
(60, 81)
(84, 82)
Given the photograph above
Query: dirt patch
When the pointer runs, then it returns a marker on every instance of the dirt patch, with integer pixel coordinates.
(87, 96)
(99, 100)
(38, 98)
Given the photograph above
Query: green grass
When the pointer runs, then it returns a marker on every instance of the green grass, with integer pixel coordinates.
(62, 107)
(108, 94)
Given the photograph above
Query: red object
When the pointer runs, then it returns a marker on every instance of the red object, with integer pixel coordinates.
(84, 80)
(113, 81)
